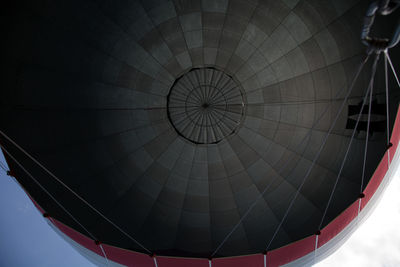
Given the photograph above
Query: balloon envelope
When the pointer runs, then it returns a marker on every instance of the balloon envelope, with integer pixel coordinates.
(191, 124)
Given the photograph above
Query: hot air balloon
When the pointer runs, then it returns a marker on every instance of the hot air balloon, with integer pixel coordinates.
(205, 133)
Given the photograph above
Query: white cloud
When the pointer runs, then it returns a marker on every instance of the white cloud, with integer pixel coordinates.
(377, 241)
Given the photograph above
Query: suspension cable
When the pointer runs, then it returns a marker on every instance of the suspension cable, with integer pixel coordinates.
(371, 85)
(104, 253)
(391, 66)
(315, 249)
(72, 191)
(387, 106)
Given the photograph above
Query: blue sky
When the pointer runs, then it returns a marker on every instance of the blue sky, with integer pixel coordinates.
(27, 240)
(25, 237)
